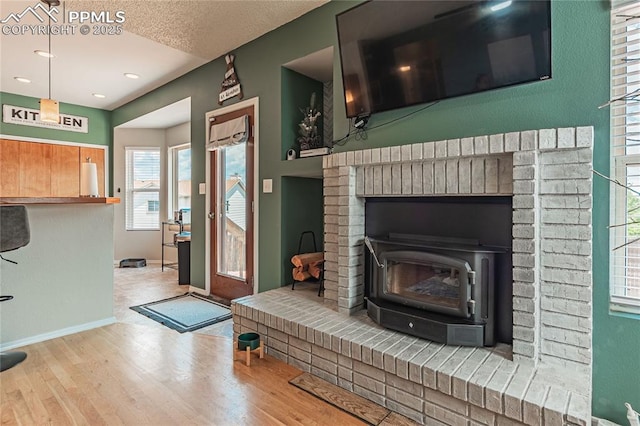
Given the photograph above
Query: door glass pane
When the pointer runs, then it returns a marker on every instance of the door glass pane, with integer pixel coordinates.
(232, 230)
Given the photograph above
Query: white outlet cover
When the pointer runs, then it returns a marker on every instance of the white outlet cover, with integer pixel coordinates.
(267, 186)
(202, 188)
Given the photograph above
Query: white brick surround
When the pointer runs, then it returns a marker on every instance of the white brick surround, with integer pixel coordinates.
(548, 381)
(431, 383)
(547, 171)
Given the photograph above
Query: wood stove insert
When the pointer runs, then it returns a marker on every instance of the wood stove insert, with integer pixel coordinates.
(432, 287)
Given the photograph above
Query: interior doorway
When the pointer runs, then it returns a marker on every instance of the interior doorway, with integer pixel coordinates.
(231, 142)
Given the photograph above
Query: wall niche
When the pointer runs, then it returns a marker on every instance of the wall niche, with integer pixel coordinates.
(300, 78)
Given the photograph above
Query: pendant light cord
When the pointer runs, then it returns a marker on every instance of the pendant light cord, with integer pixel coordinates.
(50, 55)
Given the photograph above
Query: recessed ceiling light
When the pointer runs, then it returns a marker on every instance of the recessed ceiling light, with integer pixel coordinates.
(131, 75)
(98, 95)
(43, 53)
(22, 79)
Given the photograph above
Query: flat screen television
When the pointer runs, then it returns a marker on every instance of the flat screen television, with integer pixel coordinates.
(401, 53)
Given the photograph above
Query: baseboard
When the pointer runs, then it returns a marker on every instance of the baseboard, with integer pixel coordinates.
(57, 333)
(595, 421)
(198, 290)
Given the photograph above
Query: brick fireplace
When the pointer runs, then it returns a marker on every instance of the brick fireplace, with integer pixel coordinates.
(548, 174)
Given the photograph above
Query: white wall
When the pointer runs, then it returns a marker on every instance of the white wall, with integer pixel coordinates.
(63, 281)
(178, 135)
(143, 244)
(137, 244)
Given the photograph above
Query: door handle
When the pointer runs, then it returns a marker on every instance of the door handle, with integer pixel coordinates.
(211, 216)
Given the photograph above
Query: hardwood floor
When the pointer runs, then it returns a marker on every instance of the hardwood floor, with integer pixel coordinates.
(137, 372)
(136, 286)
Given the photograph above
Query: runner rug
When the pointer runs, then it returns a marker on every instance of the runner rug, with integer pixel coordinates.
(367, 411)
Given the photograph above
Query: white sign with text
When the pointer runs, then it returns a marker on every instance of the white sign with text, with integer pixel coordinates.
(31, 117)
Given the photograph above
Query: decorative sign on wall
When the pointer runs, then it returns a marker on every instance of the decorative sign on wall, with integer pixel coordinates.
(31, 117)
(231, 83)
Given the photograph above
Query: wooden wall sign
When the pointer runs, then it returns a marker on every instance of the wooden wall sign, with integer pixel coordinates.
(231, 83)
(31, 117)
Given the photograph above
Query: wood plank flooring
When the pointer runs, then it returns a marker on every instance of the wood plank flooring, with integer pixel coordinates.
(136, 286)
(138, 372)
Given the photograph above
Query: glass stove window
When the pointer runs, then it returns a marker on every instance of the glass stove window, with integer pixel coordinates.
(427, 283)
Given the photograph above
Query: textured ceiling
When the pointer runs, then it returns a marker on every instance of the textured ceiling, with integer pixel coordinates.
(161, 41)
(204, 28)
(209, 29)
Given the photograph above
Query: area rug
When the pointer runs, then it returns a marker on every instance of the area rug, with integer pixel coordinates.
(188, 312)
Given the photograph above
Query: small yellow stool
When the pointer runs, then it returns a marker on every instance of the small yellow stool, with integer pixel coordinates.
(247, 343)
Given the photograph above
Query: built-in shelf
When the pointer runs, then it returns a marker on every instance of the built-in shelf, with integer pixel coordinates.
(59, 200)
(310, 167)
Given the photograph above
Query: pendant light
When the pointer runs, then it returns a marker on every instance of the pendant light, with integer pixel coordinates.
(49, 108)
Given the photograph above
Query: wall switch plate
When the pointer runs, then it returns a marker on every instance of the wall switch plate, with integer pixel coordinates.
(267, 186)
(202, 188)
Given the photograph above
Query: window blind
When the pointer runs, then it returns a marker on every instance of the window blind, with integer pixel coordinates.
(142, 197)
(232, 132)
(625, 152)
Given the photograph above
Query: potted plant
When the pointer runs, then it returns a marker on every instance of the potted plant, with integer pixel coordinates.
(308, 128)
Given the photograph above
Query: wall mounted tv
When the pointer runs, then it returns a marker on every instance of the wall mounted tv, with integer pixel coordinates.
(400, 53)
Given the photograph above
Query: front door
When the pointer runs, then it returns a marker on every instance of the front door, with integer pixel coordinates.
(231, 212)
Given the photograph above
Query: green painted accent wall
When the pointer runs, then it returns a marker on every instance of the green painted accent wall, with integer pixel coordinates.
(580, 83)
(100, 130)
(302, 210)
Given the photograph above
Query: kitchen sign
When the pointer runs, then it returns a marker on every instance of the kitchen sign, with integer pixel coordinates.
(31, 117)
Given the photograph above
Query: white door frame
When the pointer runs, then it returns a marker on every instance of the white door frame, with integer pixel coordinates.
(256, 179)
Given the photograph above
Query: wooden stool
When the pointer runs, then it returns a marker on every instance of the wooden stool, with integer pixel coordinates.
(247, 351)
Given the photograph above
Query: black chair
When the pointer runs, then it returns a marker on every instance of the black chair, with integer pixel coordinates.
(14, 233)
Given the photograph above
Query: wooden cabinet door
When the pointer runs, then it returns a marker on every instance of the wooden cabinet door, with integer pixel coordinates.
(97, 156)
(65, 171)
(9, 168)
(35, 169)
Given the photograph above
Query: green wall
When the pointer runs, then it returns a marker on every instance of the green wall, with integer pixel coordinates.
(302, 210)
(100, 130)
(580, 82)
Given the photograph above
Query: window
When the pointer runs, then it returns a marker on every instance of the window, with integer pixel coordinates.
(625, 153)
(179, 178)
(142, 200)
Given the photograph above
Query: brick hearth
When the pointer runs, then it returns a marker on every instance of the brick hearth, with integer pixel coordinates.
(548, 172)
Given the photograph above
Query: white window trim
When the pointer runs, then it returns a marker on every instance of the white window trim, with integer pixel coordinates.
(172, 166)
(618, 237)
(620, 160)
(128, 202)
